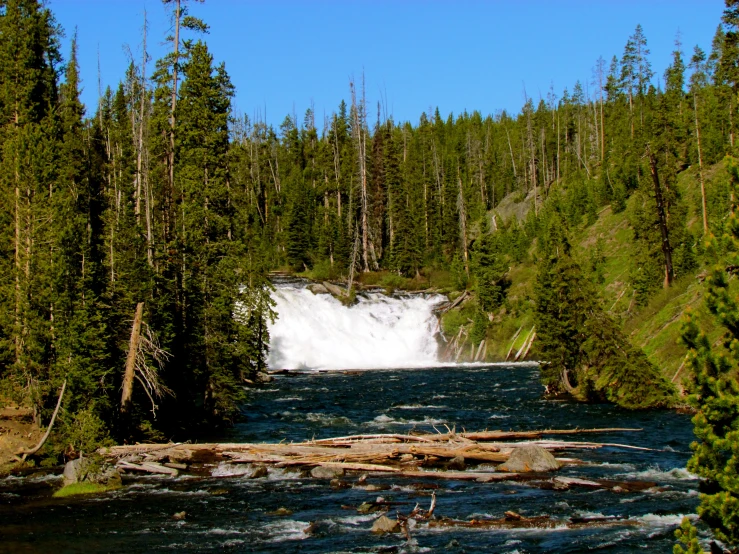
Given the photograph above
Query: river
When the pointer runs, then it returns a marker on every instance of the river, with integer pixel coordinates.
(229, 512)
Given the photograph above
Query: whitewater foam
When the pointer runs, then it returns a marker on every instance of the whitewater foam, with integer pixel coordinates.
(318, 332)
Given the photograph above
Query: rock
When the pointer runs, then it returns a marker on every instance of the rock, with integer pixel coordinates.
(326, 472)
(339, 484)
(367, 507)
(179, 516)
(376, 488)
(281, 512)
(317, 288)
(75, 471)
(384, 524)
(111, 478)
(529, 458)
(334, 290)
(259, 472)
(456, 464)
(84, 470)
(263, 377)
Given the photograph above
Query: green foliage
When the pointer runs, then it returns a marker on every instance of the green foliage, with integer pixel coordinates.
(76, 489)
(688, 536)
(587, 352)
(479, 327)
(83, 431)
(186, 210)
(714, 391)
(491, 269)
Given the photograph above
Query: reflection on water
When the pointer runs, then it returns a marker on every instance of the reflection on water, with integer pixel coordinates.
(232, 513)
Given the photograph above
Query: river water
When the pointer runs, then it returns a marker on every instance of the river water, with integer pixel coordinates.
(232, 513)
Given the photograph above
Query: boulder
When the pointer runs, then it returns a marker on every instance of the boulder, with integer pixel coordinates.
(384, 524)
(281, 512)
(318, 288)
(456, 464)
(84, 470)
(339, 484)
(263, 377)
(259, 472)
(334, 290)
(326, 472)
(75, 471)
(530, 458)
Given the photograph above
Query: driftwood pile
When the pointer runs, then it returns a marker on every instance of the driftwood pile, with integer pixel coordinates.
(445, 456)
(440, 455)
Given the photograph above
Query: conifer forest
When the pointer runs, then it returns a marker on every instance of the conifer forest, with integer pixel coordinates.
(595, 230)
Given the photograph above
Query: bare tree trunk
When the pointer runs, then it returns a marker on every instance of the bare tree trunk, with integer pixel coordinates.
(666, 248)
(700, 166)
(27, 452)
(355, 248)
(17, 332)
(131, 358)
(361, 144)
(463, 224)
(172, 119)
(510, 148)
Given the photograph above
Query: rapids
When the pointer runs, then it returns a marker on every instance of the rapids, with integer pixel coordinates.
(229, 512)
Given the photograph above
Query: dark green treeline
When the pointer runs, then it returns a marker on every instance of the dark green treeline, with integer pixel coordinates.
(416, 196)
(163, 197)
(135, 204)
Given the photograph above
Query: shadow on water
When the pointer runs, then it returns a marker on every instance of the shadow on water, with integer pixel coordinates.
(232, 513)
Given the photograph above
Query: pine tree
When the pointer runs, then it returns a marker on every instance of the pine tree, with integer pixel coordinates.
(28, 98)
(587, 353)
(714, 391)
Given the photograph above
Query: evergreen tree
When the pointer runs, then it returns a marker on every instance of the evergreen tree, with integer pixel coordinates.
(587, 354)
(714, 393)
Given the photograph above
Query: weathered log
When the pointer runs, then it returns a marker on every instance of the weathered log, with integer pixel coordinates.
(133, 349)
(513, 341)
(512, 435)
(23, 452)
(147, 467)
(525, 343)
(333, 440)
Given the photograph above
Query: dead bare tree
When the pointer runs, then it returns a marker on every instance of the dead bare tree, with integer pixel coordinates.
(700, 166)
(661, 213)
(143, 347)
(23, 452)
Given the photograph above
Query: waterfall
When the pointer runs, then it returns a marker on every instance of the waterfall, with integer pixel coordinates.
(316, 331)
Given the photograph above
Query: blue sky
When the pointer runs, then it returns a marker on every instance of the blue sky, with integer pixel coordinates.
(283, 56)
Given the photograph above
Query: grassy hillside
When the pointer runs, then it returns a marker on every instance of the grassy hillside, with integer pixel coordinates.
(606, 246)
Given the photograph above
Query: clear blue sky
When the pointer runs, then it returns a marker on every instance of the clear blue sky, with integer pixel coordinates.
(474, 55)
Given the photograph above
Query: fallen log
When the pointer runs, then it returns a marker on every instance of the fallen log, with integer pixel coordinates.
(23, 452)
(513, 341)
(511, 435)
(389, 436)
(372, 468)
(147, 467)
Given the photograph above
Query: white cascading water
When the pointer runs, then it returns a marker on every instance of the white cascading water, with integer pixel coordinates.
(316, 331)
